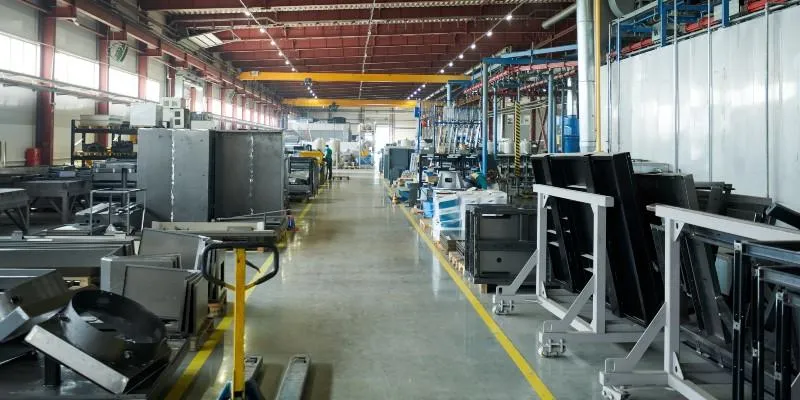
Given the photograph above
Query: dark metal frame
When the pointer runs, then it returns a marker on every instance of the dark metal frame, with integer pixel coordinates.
(522, 239)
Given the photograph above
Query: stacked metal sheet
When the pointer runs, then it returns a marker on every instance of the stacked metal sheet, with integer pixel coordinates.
(636, 289)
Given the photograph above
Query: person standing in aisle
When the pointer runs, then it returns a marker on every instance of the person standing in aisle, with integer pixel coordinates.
(329, 161)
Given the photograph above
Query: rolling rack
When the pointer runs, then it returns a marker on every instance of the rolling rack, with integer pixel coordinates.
(782, 281)
(570, 327)
(620, 374)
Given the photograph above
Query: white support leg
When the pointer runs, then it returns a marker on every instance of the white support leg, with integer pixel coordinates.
(541, 245)
(672, 284)
(599, 269)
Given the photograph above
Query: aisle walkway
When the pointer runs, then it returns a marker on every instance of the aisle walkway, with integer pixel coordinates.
(361, 292)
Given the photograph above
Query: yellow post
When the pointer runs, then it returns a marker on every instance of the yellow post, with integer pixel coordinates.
(238, 324)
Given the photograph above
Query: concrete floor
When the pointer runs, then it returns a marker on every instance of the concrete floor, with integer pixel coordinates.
(362, 294)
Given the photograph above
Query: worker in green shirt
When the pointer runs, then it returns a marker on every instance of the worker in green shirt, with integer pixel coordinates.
(329, 161)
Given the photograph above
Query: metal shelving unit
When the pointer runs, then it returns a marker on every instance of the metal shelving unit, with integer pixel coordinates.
(83, 156)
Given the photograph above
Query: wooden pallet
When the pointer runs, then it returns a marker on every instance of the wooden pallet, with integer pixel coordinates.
(78, 282)
(197, 340)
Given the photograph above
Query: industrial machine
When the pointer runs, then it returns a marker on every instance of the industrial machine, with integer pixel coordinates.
(303, 176)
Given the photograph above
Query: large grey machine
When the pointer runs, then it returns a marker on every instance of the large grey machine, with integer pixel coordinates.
(199, 175)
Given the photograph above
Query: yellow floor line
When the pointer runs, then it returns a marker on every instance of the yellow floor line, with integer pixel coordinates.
(188, 376)
(519, 360)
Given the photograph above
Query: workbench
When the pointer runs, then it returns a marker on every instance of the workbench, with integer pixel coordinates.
(66, 191)
(15, 202)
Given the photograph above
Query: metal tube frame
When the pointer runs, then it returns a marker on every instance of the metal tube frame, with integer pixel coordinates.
(620, 373)
(570, 327)
(126, 201)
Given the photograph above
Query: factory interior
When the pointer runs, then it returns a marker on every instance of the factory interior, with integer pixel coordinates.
(399, 199)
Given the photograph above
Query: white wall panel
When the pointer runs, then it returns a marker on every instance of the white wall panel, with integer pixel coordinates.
(19, 20)
(67, 109)
(738, 145)
(693, 104)
(784, 105)
(737, 151)
(76, 40)
(17, 105)
(18, 123)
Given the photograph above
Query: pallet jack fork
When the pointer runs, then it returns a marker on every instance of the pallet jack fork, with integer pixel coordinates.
(247, 371)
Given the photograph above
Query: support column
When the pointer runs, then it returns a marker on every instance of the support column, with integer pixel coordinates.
(192, 98)
(586, 83)
(45, 101)
(171, 77)
(551, 112)
(495, 116)
(449, 94)
(102, 107)
(484, 116)
(141, 71)
(209, 94)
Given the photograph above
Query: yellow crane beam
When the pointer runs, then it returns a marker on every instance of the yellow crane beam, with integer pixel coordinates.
(348, 77)
(309, 102)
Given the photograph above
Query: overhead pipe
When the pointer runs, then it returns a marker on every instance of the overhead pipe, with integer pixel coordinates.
(586, 83)
(563, 14)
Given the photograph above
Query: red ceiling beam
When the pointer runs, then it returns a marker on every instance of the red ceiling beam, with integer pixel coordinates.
(163, 5)
(498, 39)
(385, 14)
(334, 64)
(351, 53)
(443, 28)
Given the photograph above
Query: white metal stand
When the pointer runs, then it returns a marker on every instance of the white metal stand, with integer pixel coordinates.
(620, 373)
(570, 327)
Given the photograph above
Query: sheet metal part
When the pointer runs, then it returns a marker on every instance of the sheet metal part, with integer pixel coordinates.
(123, 380)
(697, 273)
(28, 297)
(187, 245)
(250, 172)
(113, 269)
(233, 230)
(631, 250)
(499, 240)
(176, 169)
(44, 192)
(112, 328)
(15, 204)
(70, 259)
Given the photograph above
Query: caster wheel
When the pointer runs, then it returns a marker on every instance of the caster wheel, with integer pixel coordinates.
(499, 309)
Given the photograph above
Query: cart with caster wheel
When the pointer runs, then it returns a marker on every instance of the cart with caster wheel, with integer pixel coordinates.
(571, 327)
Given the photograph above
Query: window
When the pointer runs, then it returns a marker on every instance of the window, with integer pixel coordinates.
(124, 83)
(18, 55)
(216, 106)
(76, 70)
(153, 90)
